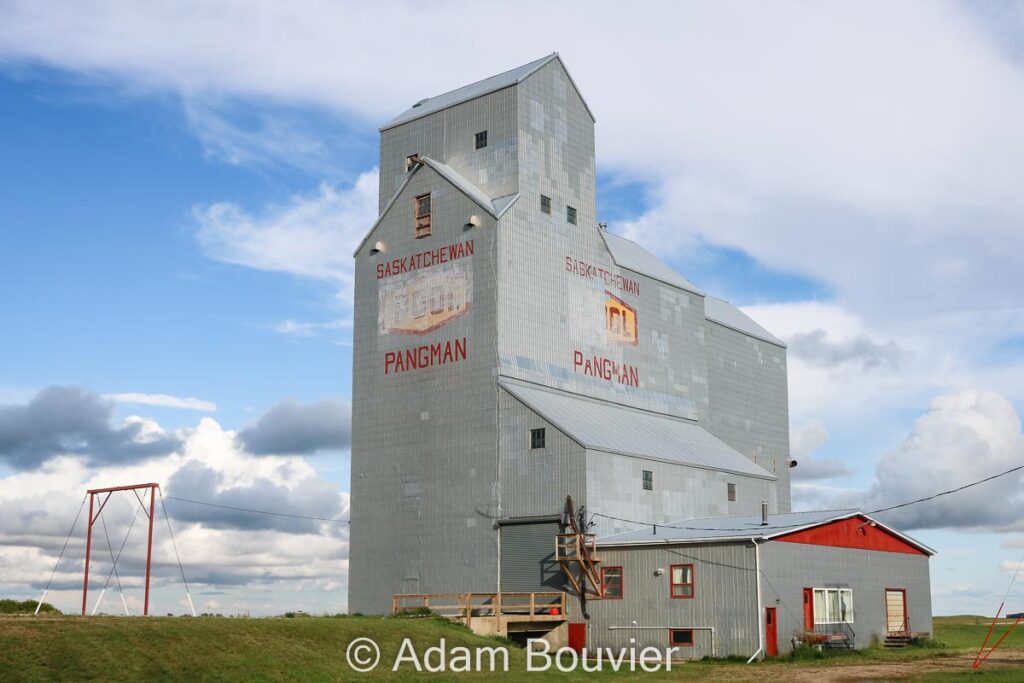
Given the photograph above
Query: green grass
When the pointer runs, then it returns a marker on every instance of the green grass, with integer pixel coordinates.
(313, 649)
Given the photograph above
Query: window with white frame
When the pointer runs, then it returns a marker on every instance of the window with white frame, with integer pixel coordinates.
(833, 605)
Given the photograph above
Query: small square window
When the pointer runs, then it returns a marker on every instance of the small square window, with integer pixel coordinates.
(481, 140)
(421, 215)
(545, 204)
(731, 489)
(611, 583)
(681, 637)
(537, 438)
(680, 577)
(570, 214)
(648, 480)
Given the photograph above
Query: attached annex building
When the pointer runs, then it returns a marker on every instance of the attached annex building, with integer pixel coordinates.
(510, 352)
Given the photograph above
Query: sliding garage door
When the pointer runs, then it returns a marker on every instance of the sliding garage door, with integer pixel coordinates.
(528, 558)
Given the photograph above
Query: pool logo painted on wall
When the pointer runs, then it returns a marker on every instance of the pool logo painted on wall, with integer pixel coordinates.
(620, 320)
(425, 300)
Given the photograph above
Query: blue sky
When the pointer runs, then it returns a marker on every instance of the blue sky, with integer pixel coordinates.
(177, 216)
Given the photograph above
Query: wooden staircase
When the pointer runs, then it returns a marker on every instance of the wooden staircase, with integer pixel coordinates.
(576, 553)
(897, 640)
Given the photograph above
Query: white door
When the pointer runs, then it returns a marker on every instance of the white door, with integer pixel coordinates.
(896, 610)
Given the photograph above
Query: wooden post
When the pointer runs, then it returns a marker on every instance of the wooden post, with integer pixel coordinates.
(532, 604)
(149, 546)
(88, 552)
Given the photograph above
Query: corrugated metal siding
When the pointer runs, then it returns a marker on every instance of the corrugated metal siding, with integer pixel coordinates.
(423, 464)
(614, 488)
(788, 568)
(749, 404)
(535, 482)
(725, 597)
(528, 558)
(604, 426)
(724, 313)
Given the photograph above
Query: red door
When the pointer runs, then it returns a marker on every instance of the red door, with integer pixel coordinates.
(577, 636)
(771, 632)
(808, 610)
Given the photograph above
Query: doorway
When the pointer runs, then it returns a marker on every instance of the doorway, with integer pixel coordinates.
(808, 610)
(771, 632)
(896, 610)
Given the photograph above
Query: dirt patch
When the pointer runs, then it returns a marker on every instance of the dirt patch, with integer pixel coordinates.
(842, 672)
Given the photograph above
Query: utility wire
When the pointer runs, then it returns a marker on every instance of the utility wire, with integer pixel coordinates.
(113, 562)
(946, 493)
(65, 547)
(623, 519)
(259, 512)
(167, 518)
(789, 526)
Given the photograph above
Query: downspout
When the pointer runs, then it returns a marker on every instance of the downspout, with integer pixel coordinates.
(760, 606)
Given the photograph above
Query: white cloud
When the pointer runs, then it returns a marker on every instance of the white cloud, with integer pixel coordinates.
(313, 236)
(964, 437)
(805, 439)
(164, 401)
(295, 328)
(249, 562)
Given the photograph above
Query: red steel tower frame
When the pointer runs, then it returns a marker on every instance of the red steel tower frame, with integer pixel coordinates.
(92, 519)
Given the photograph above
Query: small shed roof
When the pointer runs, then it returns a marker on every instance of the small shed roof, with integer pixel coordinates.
(707, 529)
(604, 426)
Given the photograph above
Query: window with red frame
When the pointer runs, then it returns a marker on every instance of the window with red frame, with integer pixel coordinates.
(680, 636)
(680, 578)
(611, 582)
(422, 215)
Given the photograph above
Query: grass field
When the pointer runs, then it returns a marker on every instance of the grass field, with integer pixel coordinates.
(313, 649)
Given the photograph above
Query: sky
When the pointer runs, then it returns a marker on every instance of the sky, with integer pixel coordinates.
(182, 185)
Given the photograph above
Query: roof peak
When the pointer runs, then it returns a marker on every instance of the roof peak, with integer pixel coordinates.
(485, 86)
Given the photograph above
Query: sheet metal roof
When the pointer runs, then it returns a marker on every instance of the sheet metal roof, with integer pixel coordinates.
(726, 314)
(629, 254)
(468, 92)
(747, 526)
(604, 426)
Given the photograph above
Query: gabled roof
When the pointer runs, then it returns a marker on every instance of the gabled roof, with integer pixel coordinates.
(630, 255)
(612, 428)
(475, 90)
(724, 313)
(495, 208)
(744, 527)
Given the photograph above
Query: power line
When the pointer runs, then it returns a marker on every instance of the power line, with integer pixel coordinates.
(790, 526)
(623, 519)
(946, 493)
(258, 512)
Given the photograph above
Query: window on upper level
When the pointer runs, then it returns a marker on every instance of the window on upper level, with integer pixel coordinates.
(481, 140)
(731, 492)
(421, 215)
(680, 577)
(648, 480)
(570, 214)
(545, 204)
(537, 438)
